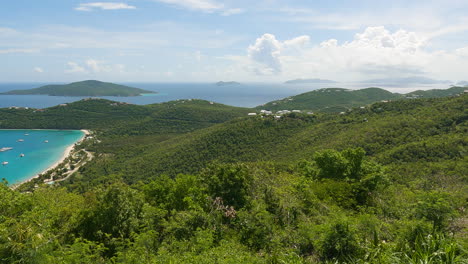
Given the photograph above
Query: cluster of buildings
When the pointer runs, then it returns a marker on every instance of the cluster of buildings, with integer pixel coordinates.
(278, 114)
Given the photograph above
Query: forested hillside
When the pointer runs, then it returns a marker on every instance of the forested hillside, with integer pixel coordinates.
(84, 88)
(387, 183)
(121, 118)
(339, 99)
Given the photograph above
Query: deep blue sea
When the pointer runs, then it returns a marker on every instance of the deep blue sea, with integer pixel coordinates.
(38, 155)
(245, 95)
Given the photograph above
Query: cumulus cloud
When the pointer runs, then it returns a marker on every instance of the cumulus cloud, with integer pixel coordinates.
(94, 65)
(103, 6)
(376, 52)
(38, 69)
(266, 52)
(298, 42)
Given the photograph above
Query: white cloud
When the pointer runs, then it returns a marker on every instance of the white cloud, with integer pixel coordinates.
(92, 66)
(207, 6)
(373, 53)
(266, 53)
(74, 68)
(202, 5)
(233, 11)
(298, 42)
(103, 6)
(38, 70)
(10, 51)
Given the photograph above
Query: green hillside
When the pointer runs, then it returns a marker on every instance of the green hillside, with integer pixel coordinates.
(84, 88)
(121, 118)
(382, 128)
(434, 93)
(384, 184)
(331, 99)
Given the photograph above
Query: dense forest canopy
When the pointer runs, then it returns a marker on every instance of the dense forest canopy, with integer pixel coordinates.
(199, 182)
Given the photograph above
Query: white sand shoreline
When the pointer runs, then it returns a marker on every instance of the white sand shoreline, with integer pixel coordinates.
(64, 156)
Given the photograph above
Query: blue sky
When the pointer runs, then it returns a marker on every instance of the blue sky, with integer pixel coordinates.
(211, 40)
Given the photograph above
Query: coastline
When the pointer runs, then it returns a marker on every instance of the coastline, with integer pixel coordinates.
(65, 155)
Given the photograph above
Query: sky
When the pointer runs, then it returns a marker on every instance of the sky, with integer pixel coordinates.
(241, 40)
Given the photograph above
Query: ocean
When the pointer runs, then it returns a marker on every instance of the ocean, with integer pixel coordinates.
(38, 155)
(244, 95)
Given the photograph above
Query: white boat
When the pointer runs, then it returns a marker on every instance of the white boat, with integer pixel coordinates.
(21, 155)
(46, 141)
(20, 140)
(5, 149)
(5, 163)
(26, 134)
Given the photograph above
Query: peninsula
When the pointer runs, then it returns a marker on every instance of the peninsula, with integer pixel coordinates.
(84, 88)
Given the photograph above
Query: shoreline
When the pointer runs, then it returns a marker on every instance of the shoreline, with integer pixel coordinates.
(64, 156)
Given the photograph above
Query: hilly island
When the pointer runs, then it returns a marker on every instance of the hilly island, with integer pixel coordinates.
(194, 181)
(83, 88)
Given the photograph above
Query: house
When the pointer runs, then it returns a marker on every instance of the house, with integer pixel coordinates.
(252, 114)
(296, 111)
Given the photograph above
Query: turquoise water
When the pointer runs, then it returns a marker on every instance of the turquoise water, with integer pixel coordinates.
(38, 155)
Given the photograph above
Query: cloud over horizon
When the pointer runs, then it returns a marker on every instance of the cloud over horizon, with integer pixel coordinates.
(103, 6)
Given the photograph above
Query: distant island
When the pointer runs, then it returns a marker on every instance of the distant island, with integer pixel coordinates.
(305, 81)
(84, 88)
(226, 83)
(407, 80)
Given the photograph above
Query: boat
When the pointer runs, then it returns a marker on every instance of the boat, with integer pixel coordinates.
(21, 155)
(5, 163)
(26, 134)
(5, 149)
(46, 141)
(20, 140)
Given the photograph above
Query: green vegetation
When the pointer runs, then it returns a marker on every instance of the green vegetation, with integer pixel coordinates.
(434, 93)
(340, 100)
(121, 118)
(84, 88)
(194, 182)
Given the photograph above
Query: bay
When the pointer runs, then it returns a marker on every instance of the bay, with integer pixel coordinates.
(38, 155)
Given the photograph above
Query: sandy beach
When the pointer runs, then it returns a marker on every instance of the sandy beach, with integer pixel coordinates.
(65, 155)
